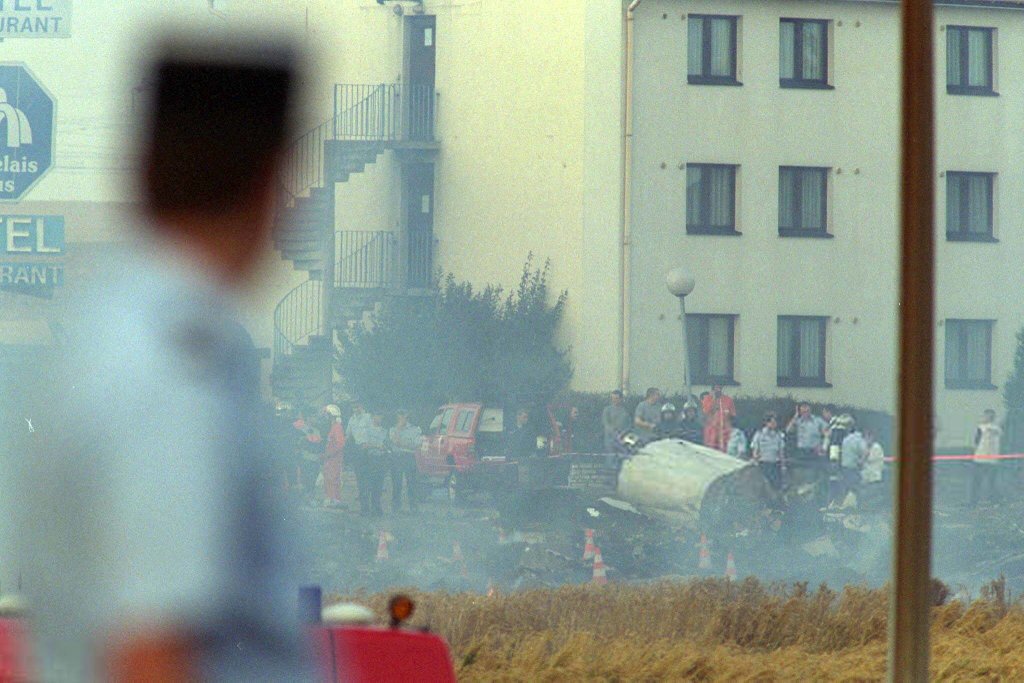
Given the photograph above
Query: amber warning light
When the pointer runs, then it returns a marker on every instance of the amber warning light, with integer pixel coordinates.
(400, 608)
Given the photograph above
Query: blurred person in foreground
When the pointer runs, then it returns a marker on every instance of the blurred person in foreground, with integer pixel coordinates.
(165, 552)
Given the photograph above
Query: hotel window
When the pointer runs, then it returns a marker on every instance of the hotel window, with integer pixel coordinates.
(711, 199)
(803, 53)
(969, 206)
(969, 60)
(803, 202)
(801, 351)
(710, 341)
(969, 354)
(711, 49)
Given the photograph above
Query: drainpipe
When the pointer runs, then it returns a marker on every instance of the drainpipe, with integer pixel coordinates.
(627, 186)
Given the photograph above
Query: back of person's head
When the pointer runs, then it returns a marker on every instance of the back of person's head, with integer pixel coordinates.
(219, 121)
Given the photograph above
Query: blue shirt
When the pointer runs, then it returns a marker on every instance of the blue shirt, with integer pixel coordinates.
(769, 445)
(155, 499)
(374, 436)
(407, 438)
(809, 432)
(854, 451)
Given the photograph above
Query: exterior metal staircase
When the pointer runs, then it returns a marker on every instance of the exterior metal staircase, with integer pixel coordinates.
(350, 272)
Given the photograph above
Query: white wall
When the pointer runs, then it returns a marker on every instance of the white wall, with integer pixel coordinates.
(852, 129)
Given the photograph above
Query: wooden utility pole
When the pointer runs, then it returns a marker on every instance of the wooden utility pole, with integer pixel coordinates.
(910, 611)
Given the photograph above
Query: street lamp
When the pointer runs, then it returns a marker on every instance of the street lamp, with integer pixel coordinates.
(680, 283)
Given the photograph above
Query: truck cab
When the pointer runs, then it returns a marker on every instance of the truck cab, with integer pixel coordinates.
(465, 449)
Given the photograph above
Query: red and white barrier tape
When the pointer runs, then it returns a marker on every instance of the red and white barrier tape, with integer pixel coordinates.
(1009, 456)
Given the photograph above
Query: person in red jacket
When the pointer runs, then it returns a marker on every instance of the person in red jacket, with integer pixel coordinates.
(333, 457)
(718, 409)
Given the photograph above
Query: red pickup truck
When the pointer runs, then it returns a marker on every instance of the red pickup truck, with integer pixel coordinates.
(464, 449)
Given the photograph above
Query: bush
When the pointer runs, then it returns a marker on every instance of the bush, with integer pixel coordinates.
(1013, 400)
(460, 344)
(588, 434)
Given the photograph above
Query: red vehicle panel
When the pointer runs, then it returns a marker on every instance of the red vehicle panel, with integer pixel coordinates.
(462, 439)
(347, 654)
(13, 651)
(432, 457)
(377, 655)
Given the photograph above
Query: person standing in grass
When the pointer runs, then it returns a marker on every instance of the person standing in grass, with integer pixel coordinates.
(985, 468)
(333, 456)
(405, 441)
(717, 408)
(614, 421)
(768, 450)
(737, 444)
(874, 465)
(853, 455)
(647, 415)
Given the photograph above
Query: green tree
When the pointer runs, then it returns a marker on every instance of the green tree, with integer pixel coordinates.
(1013, 400)
(460, 344)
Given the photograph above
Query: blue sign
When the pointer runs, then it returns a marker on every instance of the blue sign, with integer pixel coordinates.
(32, 235)
(26, 131)
(26, 275)
(35, 18)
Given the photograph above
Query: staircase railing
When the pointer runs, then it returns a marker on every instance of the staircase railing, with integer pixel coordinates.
(303, 167)
(385, 112)
(298, 317)
(372, 113)
(379, 112)
(364, 259)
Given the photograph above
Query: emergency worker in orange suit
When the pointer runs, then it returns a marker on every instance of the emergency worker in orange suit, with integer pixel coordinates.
(333, 457)
(718, 410)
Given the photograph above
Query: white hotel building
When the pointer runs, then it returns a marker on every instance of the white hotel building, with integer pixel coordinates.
(754, 142)
(765, 158)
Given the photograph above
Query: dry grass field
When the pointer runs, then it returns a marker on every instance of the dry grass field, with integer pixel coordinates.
(710, 630)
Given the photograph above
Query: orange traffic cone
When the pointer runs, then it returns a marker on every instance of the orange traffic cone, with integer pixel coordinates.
(600, 573)
(730, 567)
(382, 546)
(588, 546)
(457, 556)
(704, 556)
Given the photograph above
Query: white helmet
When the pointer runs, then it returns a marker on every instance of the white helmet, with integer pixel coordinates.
(333, 410)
